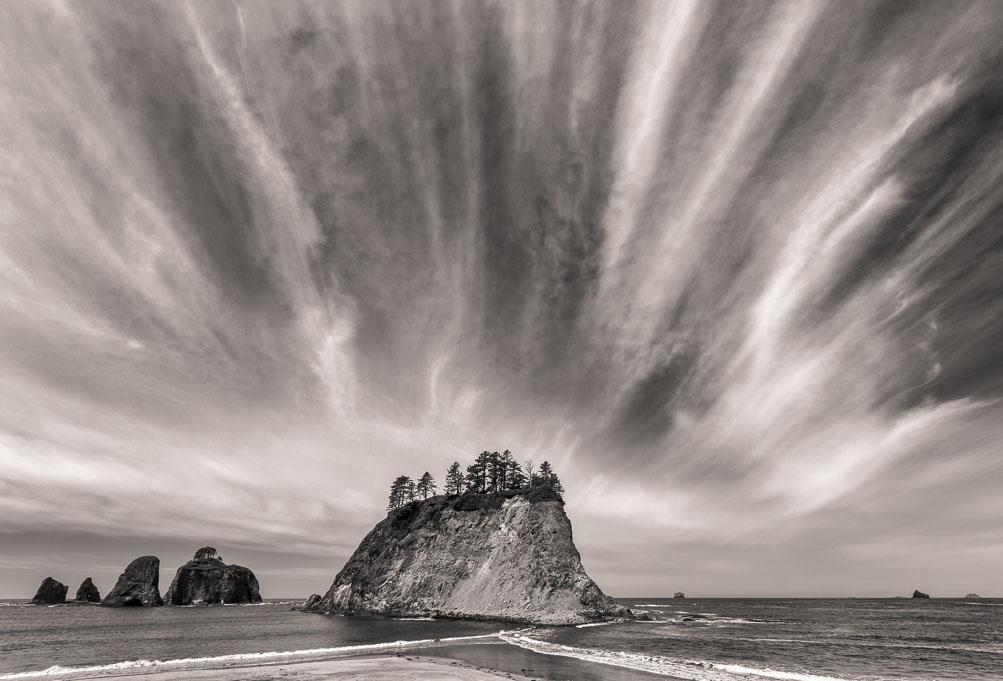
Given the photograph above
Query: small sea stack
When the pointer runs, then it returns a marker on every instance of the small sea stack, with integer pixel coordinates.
(973, 597)
(50, 592)
(138, 586)
(311, 602)
(207, 580)
(88, 593)
(919, 594)
(679, 594)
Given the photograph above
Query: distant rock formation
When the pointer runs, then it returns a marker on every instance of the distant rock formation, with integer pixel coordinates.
(505, 556)
(88, 593)
(919, 594)
(973, 597)
(679, 594)
(49, 592)
(206, 580)
(311, 602)
(139, 585)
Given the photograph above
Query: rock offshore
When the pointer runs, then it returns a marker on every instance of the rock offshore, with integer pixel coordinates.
(679, 594)
(919, 594)
(138, 586)
(506, 556)
(207, 580)
(88, 593)
(50, 592)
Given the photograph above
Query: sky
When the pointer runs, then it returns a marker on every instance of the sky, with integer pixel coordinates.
(734, 269)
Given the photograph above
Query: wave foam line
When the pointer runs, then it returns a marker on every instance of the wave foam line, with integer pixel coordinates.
(692, 670)
(267, 656)
(598, 624)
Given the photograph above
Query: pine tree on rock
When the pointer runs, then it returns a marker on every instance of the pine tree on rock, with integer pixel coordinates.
(477, 474)
(426, 486)
(399, 492)
(547, 478)
(454, 479)
(495, 472)
(512, 476)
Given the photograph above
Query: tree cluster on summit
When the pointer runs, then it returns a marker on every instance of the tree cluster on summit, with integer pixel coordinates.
(490, 472)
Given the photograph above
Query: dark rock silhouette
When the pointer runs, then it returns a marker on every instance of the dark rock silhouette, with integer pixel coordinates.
(49, 592)
(206, 580)
(505, 556)
(919, 594)
(138, 586)
(679, 594)
(88, 593)
(973, 597)
(312, 601)
(207, 553)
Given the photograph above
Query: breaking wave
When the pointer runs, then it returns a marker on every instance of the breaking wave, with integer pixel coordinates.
(269, 656)
(691, 670)
(598, 624)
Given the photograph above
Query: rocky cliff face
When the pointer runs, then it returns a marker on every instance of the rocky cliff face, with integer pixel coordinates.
(506, 556)
(206, 579)
(88, 593)
(139, 585)
(50, 591)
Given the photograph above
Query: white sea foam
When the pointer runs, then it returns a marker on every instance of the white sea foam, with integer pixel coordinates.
(270, 656)
(706, 619)
(597, 624)
(692, 670)
(772, 674)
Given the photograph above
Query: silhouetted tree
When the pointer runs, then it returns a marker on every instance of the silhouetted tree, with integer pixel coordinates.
(477, 474)
(495, 478)
(454, 479)
(412, 492)
(426, 485)
(547, 478)
(399, 492)
(512, 477)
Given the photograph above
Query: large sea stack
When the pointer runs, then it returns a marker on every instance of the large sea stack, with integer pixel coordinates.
(507, 556)
(139, 585)
(88, 593)
(49, 592)
(206, 580)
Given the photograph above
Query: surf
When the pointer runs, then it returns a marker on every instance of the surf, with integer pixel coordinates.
(243, 658)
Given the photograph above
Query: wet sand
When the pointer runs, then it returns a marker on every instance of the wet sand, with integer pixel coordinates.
(385, 668)
(503, 658)
(468, 662)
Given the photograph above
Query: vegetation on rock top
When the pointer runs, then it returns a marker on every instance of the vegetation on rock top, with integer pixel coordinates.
(489, 475)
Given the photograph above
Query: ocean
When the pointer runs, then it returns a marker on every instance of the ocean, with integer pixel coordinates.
(696, 639)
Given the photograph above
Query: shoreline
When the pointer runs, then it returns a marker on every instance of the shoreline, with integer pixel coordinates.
(397, 667)
(448, 663)
(480, 658)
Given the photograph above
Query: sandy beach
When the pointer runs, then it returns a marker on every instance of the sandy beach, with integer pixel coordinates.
(389, 668)
(485, 662)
